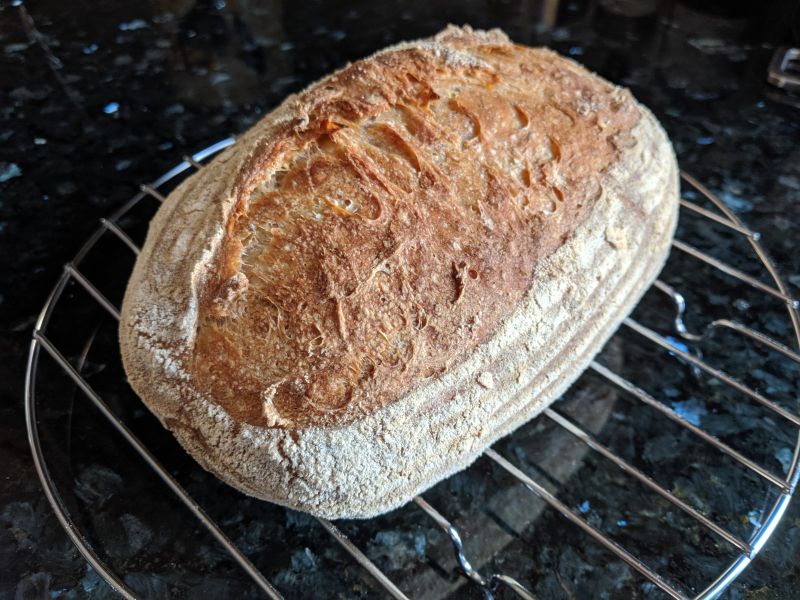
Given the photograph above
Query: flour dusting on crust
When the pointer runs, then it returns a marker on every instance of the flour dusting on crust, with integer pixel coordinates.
(502, 209)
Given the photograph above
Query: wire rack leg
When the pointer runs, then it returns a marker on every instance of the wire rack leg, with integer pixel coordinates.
(466, 568)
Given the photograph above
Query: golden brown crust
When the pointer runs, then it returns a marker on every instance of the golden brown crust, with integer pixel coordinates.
(396, 267)
(419, 186)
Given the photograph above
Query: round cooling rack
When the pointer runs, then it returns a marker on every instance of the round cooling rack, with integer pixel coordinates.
(661, 473)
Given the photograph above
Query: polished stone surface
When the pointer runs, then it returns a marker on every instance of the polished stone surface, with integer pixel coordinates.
(98, 96)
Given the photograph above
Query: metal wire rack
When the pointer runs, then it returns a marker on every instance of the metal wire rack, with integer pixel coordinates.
(746, 549)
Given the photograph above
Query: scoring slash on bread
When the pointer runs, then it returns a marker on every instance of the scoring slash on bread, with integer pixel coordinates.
(396, 267)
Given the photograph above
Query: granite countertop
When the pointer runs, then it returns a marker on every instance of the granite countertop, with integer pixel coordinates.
(98, 96)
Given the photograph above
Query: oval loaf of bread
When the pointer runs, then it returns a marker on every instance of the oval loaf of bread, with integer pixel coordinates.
(395, 267)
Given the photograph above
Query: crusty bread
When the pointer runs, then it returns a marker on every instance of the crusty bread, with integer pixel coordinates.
(397, 266)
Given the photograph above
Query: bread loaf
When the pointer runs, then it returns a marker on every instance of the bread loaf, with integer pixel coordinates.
(396, 267)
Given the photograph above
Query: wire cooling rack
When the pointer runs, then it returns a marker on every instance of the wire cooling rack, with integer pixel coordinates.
(678, 349)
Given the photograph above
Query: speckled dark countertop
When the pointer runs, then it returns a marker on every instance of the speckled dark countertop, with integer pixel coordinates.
(96, 96)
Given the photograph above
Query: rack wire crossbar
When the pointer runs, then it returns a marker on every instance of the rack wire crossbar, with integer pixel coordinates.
(747, 549)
